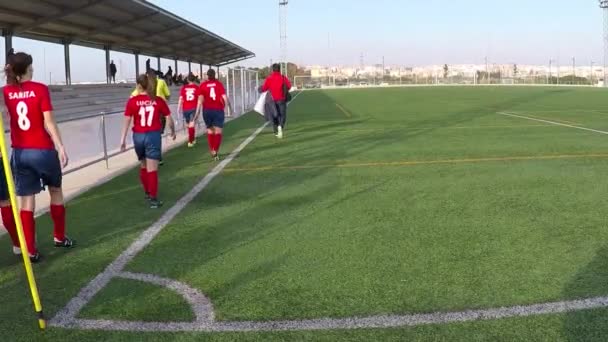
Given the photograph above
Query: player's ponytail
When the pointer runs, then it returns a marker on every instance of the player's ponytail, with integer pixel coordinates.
(151, 87)
(146, 84)
(16, 67)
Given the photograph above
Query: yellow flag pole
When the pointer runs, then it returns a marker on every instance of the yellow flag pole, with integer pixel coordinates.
(8, 174)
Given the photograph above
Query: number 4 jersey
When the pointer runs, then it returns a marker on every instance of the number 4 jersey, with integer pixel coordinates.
(213, 95)
(189, 94)
(26, 103)
(146, 113)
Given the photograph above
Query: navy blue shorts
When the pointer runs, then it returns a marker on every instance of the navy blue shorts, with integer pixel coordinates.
(213, 118)
(3, 185)
(34, 169)
(148, 145)
(189, 115)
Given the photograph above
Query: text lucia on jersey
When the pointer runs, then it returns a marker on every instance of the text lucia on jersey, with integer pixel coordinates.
(146, 103)
(21, 95)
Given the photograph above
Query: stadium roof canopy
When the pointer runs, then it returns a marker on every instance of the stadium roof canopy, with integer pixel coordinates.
(131, 26)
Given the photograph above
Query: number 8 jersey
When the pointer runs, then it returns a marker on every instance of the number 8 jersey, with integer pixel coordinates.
(146, 113)
(26, 103)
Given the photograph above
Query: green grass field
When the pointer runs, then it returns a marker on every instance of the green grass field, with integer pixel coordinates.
(379, 201)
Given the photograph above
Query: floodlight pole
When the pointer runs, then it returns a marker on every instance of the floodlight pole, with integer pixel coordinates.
(604, 7)
(283, 32)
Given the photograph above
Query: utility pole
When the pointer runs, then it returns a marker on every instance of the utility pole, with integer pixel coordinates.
(550, 76)
(487, 70)
(573, 69)
(383, 69)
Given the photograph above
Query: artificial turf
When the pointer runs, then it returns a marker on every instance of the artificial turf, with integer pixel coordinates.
(379, 201)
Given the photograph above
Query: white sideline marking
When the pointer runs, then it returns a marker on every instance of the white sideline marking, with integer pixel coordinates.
(349, 323)
(553, 122)
(74, 306)
(68, 314)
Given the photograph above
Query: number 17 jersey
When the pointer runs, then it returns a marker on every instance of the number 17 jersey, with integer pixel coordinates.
(213, 95)
(146, 113)
(26, 104)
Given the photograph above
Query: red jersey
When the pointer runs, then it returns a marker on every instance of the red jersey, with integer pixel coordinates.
(26, 104)
(213, 95)
(275, 83)
(146, 113)
(189, 95)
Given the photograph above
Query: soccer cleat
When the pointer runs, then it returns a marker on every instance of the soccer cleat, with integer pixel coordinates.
(34, 259)
(16, 250)
(66, 243)
(280, 133)
(148, 197)
(190, 145)
(155, 203)
(161, 163)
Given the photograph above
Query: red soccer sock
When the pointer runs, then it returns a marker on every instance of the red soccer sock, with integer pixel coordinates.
(191, 134)
(58, 216)
(29, 230)
(218, 141)
(153, 184)
(9, 223)
(143, 178)
(211, 141)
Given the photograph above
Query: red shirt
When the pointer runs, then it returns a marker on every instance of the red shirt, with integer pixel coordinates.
(274, 83)
(146, 113)
(26, 104)
(189, 94)
(213, 95)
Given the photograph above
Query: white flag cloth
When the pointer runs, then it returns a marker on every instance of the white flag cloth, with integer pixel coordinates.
(260, 106)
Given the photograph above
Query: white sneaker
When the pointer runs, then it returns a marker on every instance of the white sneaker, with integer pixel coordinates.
(16, 250)
(280, 133)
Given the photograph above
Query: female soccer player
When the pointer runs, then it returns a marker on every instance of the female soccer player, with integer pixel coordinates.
(38, 152)
(213, 99)
(146, 108)
(188, 106)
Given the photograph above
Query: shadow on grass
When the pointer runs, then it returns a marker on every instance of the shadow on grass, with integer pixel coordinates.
(591, 281)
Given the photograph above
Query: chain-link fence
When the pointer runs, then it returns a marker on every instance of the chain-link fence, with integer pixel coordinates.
(449, 78)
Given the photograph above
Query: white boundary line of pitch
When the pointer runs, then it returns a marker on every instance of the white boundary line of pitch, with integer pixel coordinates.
(552, 122)
(203, 309)
(86, 294)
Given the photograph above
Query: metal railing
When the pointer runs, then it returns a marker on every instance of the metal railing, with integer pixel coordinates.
(95, 138)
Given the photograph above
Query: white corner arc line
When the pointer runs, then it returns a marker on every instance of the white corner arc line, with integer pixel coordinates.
(66, 316)
(552, 122)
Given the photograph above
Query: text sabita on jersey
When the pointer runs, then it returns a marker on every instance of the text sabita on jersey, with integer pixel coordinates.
(21, 95)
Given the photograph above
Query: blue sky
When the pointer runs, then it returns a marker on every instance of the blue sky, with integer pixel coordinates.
(406, 32)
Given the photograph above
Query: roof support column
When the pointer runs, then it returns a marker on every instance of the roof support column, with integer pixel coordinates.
(136, 65)
(175, 73)
(233, 88)
(8, 40)
(200, 75)
(66, 54)
(242, 90)
(158, 63)
(107, 50)
(189, 67)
